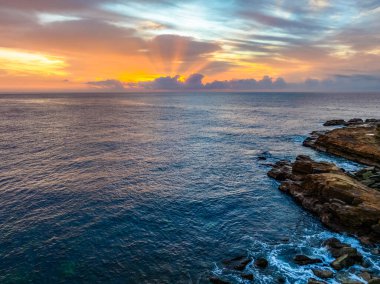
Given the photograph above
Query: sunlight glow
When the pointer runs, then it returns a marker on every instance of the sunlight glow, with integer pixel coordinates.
(24, 62)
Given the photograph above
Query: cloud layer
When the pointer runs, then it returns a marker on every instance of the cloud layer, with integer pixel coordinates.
(194, 82)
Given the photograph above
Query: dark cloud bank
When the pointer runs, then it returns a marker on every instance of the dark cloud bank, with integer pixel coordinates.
(358, 82)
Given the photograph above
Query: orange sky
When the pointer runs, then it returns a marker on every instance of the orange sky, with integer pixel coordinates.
(63, 45)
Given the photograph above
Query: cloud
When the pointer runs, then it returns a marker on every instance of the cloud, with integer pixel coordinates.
(280, 22)
(194, 81)
(338, 82)
(112, 85)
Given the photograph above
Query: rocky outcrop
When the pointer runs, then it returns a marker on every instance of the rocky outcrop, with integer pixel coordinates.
(357, 143)
(341, 202)
(353, 121)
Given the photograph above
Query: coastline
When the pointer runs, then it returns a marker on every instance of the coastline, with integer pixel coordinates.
(346, 203)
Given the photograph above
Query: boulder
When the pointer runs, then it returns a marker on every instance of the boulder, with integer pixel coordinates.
(264, 155)
(337, 248)
(365, 275)
(374, 281)
(248, 276)
(301, 259)
(372, 120)
(281, 171)
(354, 121)
(261, 263)
(323, 273)
(346, 261)
(236, 263)
(334, 122)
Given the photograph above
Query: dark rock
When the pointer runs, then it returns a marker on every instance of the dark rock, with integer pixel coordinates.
(371, 120)
(261, 262)
(345, 250)
(305, 165)
(324, 274)
(375, 251)
(346, 261)
(315, 281)
(281, 279)
(216, 280)
(264, 155)
(365, 275)
(281, 171)
(334, 122)
(374, 281)
(354, 121)
(365, 263)
(236, 263)
(301, 259)
(334, 243)
(337, 248)
(248, 276)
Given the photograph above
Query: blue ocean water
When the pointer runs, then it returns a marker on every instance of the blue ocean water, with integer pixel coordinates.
(157, 188)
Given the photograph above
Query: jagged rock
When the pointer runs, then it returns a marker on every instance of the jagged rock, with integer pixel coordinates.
(248, 276)
(315, 281)
(281, 279)
(261, 262)
(324, 274)
(216, 280)
(334, 122)
(282, 170)
(236, 263)
(301, 259)
(342, 203)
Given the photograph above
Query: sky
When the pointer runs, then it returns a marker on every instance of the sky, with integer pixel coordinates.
(120, 45)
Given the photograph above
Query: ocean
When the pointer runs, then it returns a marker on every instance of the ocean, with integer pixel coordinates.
(158, 187)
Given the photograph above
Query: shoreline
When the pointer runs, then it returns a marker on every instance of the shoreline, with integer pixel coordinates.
(346, 203)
